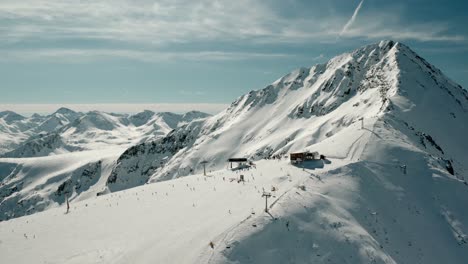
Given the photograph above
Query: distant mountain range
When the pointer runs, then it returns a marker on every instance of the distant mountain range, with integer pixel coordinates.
(66, 130)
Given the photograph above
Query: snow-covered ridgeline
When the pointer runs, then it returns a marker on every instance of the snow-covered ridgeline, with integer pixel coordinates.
(309, 106)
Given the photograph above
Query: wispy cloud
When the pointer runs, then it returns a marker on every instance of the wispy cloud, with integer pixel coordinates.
(136, 21)
(319, 57)
(192, 93)
(353, 17)
(146, 30)
(85, 54)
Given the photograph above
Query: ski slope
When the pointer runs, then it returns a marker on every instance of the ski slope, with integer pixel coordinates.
(356, 208)
(167, 222)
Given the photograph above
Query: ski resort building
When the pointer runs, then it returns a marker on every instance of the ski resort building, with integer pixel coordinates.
(298, 157)
(239, 161)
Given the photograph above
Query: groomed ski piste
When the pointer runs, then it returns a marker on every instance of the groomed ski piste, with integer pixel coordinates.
(166, 222)
(340, 210)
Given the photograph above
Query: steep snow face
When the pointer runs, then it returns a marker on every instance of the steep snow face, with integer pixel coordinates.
(431, 105)
(309, 108)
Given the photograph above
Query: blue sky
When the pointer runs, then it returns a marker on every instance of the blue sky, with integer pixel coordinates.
(194, 52)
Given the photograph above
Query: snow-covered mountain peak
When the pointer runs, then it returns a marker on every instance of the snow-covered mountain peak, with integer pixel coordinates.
(307, 108)
(10, 116)
(36, 116)
(94, 120)
(349, 78)
(64, 111)
(365, 77)
(192, 115)
(141, 118)
(56, 120)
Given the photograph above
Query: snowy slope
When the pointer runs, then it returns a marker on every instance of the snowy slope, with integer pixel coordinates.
(170, 222)
(393, 189)
(341, 214)
(392, 203)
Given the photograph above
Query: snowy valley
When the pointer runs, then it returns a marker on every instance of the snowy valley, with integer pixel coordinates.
(391, 189)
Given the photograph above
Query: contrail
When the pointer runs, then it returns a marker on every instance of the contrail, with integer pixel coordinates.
(351, 20)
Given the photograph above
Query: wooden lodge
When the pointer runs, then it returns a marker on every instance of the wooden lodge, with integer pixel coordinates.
(298, 157)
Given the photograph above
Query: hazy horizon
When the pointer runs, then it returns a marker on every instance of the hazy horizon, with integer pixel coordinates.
(44, 109)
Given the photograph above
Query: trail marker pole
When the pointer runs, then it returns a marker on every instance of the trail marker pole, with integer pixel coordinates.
(403, 167)
(266, 195)
(204, 167)
(68, 204)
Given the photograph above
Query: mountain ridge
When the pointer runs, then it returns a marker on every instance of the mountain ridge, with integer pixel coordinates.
(366, 83)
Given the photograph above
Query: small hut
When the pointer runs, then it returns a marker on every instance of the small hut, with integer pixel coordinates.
(299, 157)
(239, 161)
